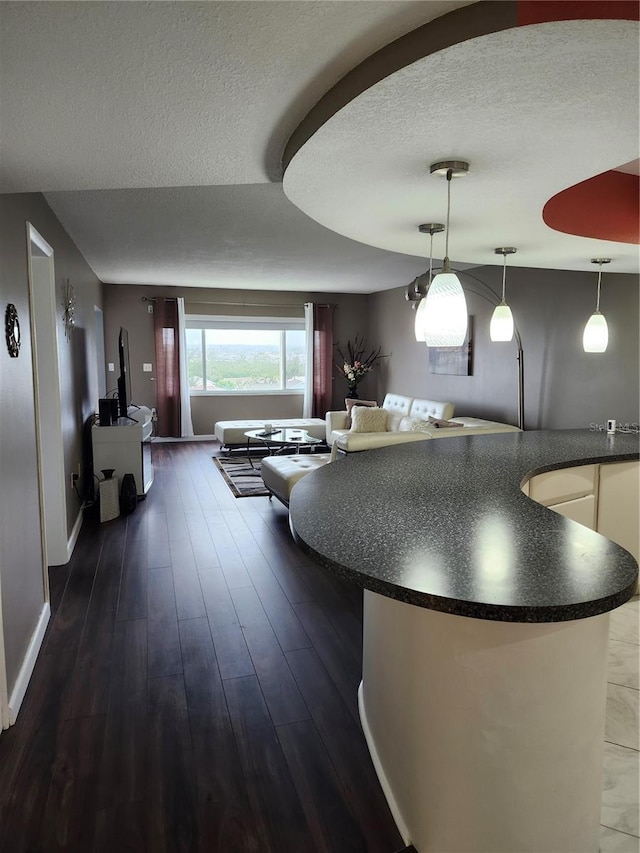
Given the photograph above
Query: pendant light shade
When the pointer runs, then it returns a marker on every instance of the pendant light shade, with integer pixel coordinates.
(595, 337)
(420, 319)
(421, 311)
(501, 327)
(445, 312)
(446, 306)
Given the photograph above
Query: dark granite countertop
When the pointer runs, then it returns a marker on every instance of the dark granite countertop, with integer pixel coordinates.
(443, 524)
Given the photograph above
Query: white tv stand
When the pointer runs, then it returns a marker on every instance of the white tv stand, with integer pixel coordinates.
(126, 447)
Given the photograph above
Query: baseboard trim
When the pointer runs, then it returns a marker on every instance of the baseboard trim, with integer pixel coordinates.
(163, 439)
(29, 662)
(75, 532)
(377, 764)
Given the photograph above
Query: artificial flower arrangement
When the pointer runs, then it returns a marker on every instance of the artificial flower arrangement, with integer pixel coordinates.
(356, 362)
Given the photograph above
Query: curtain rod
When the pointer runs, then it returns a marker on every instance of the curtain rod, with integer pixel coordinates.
(244, 304)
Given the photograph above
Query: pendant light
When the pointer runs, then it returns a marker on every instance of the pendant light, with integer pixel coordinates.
(596, 333)
(446, 314)
(430, 228)
(501, 328)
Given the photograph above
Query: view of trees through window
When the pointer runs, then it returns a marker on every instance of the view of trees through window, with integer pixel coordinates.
(246, 359)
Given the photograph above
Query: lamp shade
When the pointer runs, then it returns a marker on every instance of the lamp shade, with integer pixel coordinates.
(596, 333)
(501, 328)
(445, 312)
(420, 319)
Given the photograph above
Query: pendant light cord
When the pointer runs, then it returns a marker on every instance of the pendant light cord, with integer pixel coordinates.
(431, 260)
(446, 234)
(504, 276)
(599, 281)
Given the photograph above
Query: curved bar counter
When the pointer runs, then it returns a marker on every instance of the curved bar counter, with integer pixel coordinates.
(485, 633)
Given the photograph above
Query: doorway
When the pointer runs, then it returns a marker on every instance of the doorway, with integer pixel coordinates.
(46, 382)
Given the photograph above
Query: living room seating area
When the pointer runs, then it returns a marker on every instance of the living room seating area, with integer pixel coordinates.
(365, 426)
(402, 419)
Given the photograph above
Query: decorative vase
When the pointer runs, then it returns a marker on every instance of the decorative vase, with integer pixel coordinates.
(353, 393)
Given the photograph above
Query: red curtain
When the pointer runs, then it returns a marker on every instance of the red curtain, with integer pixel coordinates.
(165, 317)
(322, 359)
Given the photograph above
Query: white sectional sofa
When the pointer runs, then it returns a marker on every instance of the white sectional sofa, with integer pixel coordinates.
(407, 420)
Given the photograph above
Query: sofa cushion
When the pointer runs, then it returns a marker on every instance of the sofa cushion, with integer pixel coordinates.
(352, 442)
(434, 408)
(393, 421)
(414, 425)
(397, 404)
(474, 426)
(349, 442)
(368, 419)
(349, 403)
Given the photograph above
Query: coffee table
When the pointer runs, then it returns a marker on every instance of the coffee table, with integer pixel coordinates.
(280, 440)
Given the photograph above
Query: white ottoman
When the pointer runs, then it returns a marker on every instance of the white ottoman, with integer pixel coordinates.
(281, 473)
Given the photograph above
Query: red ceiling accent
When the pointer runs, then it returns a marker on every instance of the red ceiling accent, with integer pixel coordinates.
(606, 207)
(541, 11)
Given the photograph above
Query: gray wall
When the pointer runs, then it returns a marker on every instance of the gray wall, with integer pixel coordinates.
(124, 307)
(21, 571)
(564, 386)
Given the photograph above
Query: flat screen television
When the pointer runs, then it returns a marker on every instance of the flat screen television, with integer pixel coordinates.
(124, 380)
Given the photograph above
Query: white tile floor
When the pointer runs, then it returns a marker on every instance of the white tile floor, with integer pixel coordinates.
(621, 787)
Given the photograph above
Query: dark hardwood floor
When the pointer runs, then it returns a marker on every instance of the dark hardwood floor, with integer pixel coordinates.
(196, 689)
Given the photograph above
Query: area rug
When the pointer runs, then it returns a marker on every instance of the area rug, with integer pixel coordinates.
(243, 480)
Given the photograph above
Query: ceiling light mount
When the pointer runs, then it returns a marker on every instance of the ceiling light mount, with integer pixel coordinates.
(505, 250)
(431, 228)
(458, 168)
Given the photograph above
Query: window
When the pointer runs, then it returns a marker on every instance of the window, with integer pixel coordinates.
(231, 355)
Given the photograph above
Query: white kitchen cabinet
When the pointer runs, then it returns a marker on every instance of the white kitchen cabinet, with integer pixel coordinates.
(554, 487)
(582, 510)
(619, 506)
(602, 497)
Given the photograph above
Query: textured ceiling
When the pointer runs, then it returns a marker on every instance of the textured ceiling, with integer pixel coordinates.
(533, 109)
(247, 236)
(106, 95)
(156, 131)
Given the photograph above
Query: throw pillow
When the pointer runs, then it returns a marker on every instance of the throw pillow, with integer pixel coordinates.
(438, 423)
(349, 403)
(415, 425)
(368, 419)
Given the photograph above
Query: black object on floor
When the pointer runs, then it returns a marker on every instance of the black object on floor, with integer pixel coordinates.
(128, 494)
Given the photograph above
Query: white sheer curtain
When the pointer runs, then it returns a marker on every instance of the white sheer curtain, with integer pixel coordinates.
(186, 425)
(307, 401)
